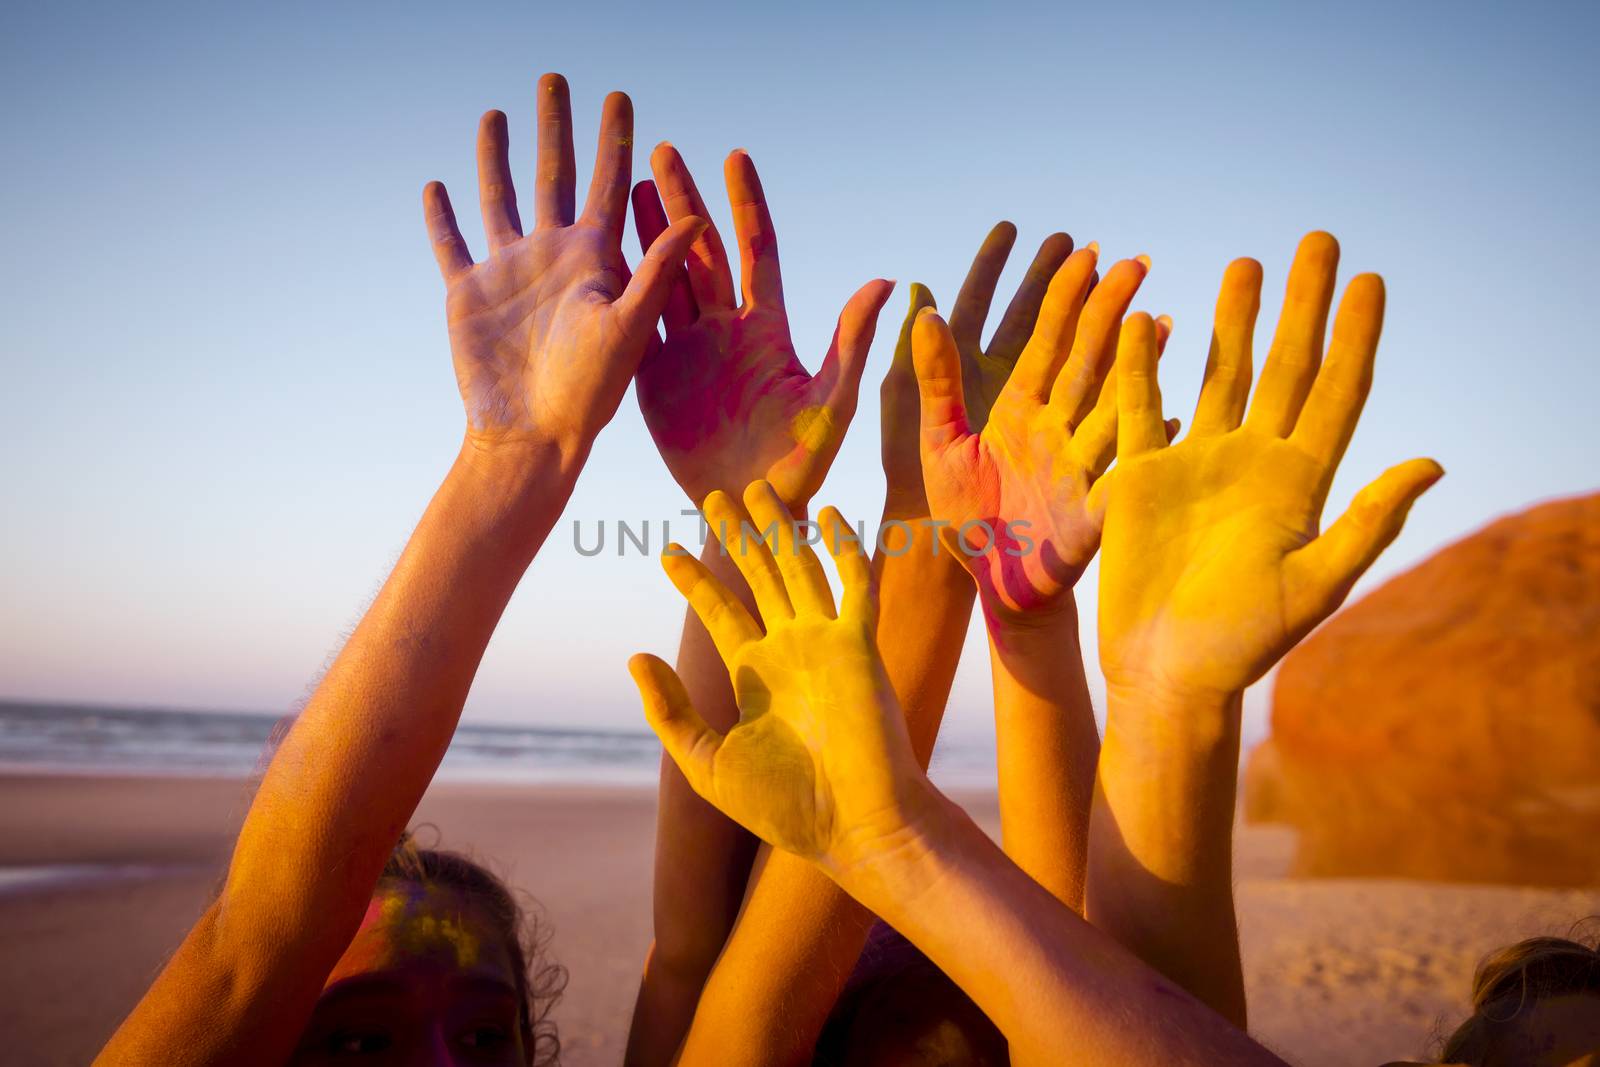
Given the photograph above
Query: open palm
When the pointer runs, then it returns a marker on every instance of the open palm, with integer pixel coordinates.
(1018, 494)
(547, 330)
(820, 752)
(725, 395)
(1212, 564)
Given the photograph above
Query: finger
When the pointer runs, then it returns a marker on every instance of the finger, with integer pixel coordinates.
(838, 382)
(1140, 427)
(1047, 348)
(802, 574)
(744, 543)
(1320, 575)
(1225, 388)
(645, 298)
(860, 597)
(971, 308)
(557, 187)
(710, 280)
(688, 739)
(607, 204)
(1297, 345)
(900, 367)
(725, 618)
(759, 277)
(1016, 326)
(1340, 391)
(1094, 342)
(650, 222)
(443, 233)
(497, 196)
(938, 367)
(1094, 440)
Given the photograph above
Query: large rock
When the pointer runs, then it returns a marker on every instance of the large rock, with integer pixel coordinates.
(1447, 725)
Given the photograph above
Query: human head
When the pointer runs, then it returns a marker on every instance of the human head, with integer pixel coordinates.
(446, 968)
(899, 1010)
(1534, 1004)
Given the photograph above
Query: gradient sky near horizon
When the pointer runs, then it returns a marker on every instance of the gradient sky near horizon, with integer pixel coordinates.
(228, 391)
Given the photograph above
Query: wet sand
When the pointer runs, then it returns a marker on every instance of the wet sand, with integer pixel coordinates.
(100, 877)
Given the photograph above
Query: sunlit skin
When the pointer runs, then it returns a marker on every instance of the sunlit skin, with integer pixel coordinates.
(727, 401)
(425, 980)
(725, 395)
(1006, 448)
(543, 360)
(820, 764)
(798, 935)
(1213, 566)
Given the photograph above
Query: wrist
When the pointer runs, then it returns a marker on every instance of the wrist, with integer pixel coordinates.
(1052, 620)
(522, 484)
(891, 860)
(1151, 718)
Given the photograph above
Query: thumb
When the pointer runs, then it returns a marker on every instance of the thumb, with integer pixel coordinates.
(840, 377)
(1322, 573)
(690, 742)
(642, 302)
(938, 366)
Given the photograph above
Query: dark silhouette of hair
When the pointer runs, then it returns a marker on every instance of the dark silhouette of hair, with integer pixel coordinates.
(540, 982)
(1512, 980)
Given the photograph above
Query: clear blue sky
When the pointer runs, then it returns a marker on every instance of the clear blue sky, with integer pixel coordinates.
(227, 391)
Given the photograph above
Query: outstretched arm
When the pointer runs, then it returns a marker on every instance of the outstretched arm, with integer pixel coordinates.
(1213, 567)
(820, 764)
(800, 935)
(1014, 493)
(728, 401)
(348, 776)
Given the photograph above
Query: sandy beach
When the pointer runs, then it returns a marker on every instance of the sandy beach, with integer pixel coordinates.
(99, 878)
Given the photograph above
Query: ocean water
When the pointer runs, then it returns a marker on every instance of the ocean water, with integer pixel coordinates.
(93, 739)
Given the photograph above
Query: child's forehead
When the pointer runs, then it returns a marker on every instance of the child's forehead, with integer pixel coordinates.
(407, 920)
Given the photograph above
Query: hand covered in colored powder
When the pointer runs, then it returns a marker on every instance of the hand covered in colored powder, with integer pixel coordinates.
(819, 763)
(1212, 565)
(725, 396)
(983, 370)
(1017, 494)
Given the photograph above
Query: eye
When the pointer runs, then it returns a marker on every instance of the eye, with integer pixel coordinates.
(357, 1042)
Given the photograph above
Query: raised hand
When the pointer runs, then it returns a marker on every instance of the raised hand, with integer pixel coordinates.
(1017, 491)
(725, 396)
(1213, 566)
(819, 757)
(547, 331)
(983, 371)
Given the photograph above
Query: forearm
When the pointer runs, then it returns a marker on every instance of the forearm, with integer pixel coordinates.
(1059, 989)
(799, 935)
(1047, 746)
(346, 779)
(702, 862)
(1161, 840)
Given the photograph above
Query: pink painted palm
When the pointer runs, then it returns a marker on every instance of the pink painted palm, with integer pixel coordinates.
(725, 395)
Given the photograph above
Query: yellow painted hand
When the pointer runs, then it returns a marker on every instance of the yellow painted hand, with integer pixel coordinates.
(819, 762)
(1212, 565)
(548, 329)
(983, 370)
(725, 395)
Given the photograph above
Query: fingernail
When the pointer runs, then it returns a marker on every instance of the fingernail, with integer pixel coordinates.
(1093, 246)
(1143, 260)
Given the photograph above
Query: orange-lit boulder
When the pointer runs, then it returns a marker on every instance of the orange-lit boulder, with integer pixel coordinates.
(1447, 725)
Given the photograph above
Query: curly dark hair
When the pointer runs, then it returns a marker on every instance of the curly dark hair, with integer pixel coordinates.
(540, 981)
(1518, 976)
